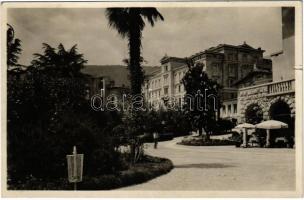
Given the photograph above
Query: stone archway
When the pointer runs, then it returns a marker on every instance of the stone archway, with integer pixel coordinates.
(288, 100)
(281, 111)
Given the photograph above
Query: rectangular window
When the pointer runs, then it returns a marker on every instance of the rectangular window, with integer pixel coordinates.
(166, 91)
(215, 69)
(166, 79)
(232, 69)
(230, 56)
(235, 108)
(230, 82)
(229, 109)
(245, 57)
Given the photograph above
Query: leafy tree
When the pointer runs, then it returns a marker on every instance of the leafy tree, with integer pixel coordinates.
(67, 63)
(13, 47)
(223, 125)
(41, 107)
(129, 22)
(174, 122)
(201, 99)
(253, 114)
(59, 84)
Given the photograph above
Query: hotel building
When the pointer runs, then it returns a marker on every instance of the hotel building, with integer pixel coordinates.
(227, 64)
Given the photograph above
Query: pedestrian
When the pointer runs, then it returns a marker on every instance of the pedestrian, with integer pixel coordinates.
(155, 137)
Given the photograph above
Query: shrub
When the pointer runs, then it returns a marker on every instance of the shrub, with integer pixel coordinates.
(223, 125)
(43, 154)
(198, 141)
(47, 116)
(148, 168)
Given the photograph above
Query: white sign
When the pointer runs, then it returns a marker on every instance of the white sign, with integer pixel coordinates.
(75, 166)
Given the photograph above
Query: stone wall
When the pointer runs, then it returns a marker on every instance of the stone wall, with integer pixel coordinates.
(260, 95)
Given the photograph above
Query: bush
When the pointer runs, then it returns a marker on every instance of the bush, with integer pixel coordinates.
(43, 154)
(47, 116)
(148, 168)
(175, 122)
(223, 125)
(167, 121)
(198, 141)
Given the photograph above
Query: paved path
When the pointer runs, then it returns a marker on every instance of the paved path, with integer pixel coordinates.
(222, 168)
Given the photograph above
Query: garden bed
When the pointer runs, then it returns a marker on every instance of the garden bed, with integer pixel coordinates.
(149, 168)
(199, 141)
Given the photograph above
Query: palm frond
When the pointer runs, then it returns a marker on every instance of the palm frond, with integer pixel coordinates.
(118, 19)
(151, 14)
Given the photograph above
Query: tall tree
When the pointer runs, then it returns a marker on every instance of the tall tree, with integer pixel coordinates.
(13, 47)
(201, 99)
(129, 22)
(66, 62)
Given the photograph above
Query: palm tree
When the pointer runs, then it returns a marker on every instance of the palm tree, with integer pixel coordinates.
(129, 22)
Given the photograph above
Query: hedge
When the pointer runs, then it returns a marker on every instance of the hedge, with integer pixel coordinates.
(202, 142)
(149, 168)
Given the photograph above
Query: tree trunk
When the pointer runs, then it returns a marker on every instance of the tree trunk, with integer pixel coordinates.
(136, 73)
(207, 135)
(200, 132)
(132, 153)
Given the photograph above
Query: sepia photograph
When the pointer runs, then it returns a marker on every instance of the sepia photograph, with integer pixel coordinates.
(152, 99)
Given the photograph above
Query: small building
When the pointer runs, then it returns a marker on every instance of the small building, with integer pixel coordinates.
(109, 80)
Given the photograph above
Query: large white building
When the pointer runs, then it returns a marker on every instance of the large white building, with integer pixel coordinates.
(226, 64)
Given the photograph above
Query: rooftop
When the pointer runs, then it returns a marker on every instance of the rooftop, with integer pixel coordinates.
(118, 73)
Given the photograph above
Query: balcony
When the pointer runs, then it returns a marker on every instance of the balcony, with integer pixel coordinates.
(282, 87)
(269, 89)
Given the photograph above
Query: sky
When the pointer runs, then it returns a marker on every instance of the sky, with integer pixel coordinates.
(183, 32)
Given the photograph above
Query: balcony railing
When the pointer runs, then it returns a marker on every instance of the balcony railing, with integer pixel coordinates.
(281, 87)
(272, 88)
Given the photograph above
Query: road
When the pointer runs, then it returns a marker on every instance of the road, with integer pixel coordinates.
(222, 168)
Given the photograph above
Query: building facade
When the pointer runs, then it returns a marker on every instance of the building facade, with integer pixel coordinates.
(275, 99)
(226, 64)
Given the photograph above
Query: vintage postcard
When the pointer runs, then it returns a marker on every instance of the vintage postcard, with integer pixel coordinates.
(146, 99)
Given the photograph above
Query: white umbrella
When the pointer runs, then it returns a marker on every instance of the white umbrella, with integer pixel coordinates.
(245, 126)
(236, 130)
(270, 124)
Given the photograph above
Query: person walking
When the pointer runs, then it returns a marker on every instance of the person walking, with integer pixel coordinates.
(155, 137)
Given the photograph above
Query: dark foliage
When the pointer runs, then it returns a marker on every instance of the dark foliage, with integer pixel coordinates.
(48, 114)
(254, 114)
(13, 47)
(223, 125)
(203, 142)
(174, 121)
(149, 168)
(200, 106)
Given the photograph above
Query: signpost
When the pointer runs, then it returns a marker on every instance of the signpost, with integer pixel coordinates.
(75, 167)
